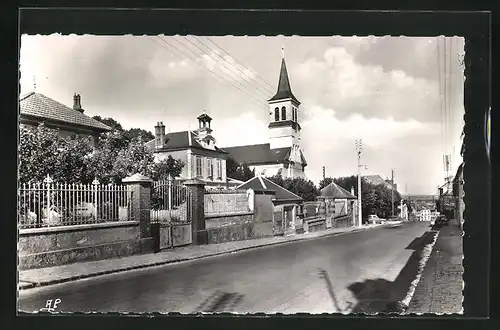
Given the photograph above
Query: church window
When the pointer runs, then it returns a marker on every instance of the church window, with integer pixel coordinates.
(276, 114)
(210, 166)
(199, 166)
(283, 113)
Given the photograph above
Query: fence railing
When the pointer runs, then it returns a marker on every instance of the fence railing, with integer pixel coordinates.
(222, 202)
(169, 199)
(49, 204)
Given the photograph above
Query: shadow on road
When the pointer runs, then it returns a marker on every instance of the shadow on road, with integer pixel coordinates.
(324, 274)
(220, 302)
(383, 296)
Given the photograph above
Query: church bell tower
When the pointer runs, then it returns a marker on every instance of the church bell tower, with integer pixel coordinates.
(284, 127)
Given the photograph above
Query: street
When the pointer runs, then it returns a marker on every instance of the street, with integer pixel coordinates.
(368, 271)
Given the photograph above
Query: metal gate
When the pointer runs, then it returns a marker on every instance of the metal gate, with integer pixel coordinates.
(169, 202)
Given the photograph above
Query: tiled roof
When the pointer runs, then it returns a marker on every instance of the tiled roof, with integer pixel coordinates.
(43, 107)
(259, 183)
(259, 154)
(333, 190)
(179, 140)
(284, 89)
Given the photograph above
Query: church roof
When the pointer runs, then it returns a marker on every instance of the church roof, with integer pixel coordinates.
(44, 108)
(260, 183)
(284, 89)
(333, 190)
(260, 154)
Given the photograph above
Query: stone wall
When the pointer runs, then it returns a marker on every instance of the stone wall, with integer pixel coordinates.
(45, 247)
(235, 227)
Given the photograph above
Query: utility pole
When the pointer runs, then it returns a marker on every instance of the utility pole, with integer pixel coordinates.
(392, 191)
(359, 148)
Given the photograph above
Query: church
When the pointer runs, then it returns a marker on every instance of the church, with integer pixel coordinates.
(282, 155)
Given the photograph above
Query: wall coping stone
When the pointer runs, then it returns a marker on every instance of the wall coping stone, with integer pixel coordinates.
(193, 182)
(90, 226)
(227, 215)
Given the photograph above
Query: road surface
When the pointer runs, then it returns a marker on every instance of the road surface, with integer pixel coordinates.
(367, 271)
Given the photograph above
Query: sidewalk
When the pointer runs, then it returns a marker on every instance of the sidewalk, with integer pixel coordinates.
(440, 288)
(59, 274)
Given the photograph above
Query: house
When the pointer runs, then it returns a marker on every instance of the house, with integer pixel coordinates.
(202, 159)
(424, 215)
(337, 199)
(283, 154)
(275, 207)
(36, 108)
(458, 194)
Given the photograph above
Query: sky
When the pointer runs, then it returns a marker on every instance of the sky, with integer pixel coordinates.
(402, 96)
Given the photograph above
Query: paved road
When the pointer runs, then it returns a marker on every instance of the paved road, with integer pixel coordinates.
(357, 272)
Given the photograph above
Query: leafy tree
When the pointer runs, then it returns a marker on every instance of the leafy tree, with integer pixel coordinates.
(43, 151)
(163, 169)
(110, 122)
(237, 171)
(325, 182)
(135, 133)
(299, 186)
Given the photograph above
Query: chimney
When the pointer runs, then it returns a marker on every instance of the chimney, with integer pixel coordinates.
(162, 134)
(77, 104)
(352, 191)
(157, 135)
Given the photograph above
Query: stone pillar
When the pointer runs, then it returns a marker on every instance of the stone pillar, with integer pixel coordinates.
(196, 210)
(140, 186)
(322, 206)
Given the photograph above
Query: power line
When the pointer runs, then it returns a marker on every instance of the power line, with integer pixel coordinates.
(203, 53)
(270, 86)
(241, 73)
(218, 77)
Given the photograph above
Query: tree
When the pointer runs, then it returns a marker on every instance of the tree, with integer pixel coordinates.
(237, 171)
(325, 182)
(299, 186)
(164, 169)
(136, 133)
(110, 122)
(43, 151)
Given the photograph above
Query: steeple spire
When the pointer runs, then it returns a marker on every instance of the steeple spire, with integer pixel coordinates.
(284, 89)
(283, 51)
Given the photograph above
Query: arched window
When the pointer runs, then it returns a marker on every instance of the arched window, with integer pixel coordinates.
(283, 113)
(276, 114)
(295, 112)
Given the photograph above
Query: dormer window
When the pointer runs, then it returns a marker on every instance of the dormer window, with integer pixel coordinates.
(276, 114)
(283, 113)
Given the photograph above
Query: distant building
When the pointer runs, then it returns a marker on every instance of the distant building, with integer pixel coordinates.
(458, 194)
(282, 155)
(36, 108)
(424, 215)
(202, 159)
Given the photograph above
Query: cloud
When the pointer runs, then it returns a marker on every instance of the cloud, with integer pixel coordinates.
(329, 141)
(337, 81)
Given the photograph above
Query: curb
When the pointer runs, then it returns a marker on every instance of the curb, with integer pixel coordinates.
(31, 285)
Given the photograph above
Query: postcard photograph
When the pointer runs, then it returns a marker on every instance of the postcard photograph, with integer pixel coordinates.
(241, 174)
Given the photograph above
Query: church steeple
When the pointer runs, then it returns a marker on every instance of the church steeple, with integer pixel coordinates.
(284, 89)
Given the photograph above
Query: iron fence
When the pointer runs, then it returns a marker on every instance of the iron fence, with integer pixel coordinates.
(169, 202)
(49, 204)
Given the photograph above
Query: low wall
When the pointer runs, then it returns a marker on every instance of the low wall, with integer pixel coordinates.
(343, 222)
(226, 201)
(315, 224)
(46, 247)
(231, 227)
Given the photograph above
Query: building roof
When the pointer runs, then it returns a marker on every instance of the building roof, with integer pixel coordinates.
(284, 89)
(260, 183)
(333, 190)
(179, 140)
(260, 154)
(460, 169)
(42, 107)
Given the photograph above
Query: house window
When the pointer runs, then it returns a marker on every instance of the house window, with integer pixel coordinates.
(276, 114)
(199, 167)
(283, 113)
(219, 169)
(210, 168)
